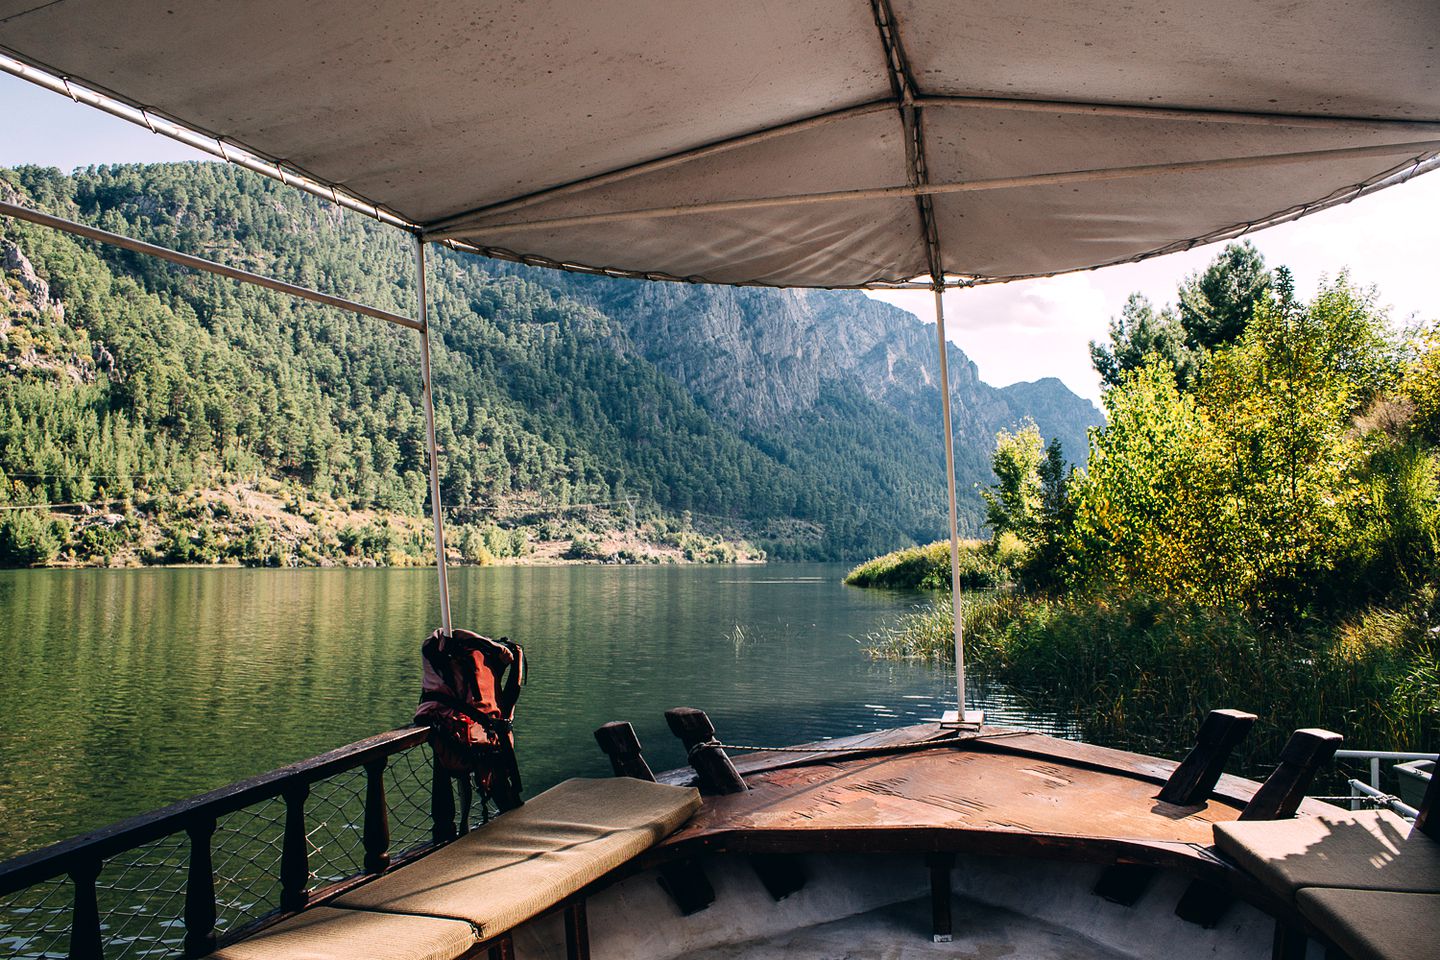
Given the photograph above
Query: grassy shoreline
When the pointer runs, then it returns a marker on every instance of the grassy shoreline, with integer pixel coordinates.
(984, 565)
(1139, 673)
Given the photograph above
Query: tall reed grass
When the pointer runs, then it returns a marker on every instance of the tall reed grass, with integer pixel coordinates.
(1139, 674)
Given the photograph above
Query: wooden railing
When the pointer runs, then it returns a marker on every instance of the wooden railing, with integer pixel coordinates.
(190, 826)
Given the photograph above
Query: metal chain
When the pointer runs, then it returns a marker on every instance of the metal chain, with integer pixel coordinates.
(747, 748)
(857, 748)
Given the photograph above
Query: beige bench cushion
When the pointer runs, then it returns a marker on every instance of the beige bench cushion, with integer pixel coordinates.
(522, 863)
(327, 934)
(1361, 850)
(1376, 923)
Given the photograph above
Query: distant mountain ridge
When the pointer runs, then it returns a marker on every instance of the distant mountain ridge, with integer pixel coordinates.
(761, 356)
(807, 421)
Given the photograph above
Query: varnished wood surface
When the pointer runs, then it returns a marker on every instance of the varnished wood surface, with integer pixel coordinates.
(951, 786)
(998, 791)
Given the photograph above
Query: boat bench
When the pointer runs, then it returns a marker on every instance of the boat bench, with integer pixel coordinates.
(1367, 879)
(519, 866)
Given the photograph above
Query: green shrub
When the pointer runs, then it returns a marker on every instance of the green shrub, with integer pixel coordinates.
(983, 566)
(583, 547)
(28, 539)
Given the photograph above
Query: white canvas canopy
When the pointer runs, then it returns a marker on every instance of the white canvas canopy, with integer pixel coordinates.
(805, 142)
(820, 143)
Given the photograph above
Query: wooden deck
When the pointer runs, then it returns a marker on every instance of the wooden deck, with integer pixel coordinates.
(1000, 791)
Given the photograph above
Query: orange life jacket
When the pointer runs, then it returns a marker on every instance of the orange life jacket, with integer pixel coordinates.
(469, 688)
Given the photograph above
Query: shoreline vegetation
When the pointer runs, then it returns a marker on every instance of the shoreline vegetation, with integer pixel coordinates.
(203, 420)
(272, 523)
(1258, 527)
(150, 416)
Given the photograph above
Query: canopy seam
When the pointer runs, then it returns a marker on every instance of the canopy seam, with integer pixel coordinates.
(917, 172)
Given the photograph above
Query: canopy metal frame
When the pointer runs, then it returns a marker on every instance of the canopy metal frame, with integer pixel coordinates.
(923, 189)
(902, 86)
(905, 99)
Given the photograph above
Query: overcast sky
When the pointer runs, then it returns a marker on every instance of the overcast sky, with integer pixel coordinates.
(1016, 331)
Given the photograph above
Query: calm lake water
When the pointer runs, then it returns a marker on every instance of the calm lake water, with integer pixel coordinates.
(126, 690)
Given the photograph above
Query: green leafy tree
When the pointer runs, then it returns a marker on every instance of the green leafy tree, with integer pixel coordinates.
(1216, 305)
(1289, 466)
(1137, 334)
(1136, 526)
(27, 539)
(1257, 487)
(1054, 481)
(1013, 503)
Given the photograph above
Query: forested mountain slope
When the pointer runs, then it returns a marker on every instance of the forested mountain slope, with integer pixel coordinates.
(228, 422)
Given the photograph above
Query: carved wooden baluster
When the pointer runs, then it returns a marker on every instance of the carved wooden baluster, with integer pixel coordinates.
(200, 908)
(85, 941)
(376, 838)
(295, 852)
(442, 805)
(467, 800)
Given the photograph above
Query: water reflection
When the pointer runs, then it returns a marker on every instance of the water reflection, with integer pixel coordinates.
(125, 690)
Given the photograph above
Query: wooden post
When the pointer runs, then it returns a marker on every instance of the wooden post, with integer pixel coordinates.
(442, 804)
(717, 774)
(688, 886)
(200, 908)
(1125, 883)
(942, 925)
(1305, 753)
(1428, 822)
(1191, 783)
(618, 741)
(504, 948)
(1278, 798)
(295, 852)
(376, 838)
(577, 932)
(1289, 943)
(782, 874)
(1198, 773)
(85, 941)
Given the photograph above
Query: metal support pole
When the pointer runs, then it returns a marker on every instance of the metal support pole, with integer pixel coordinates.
(961, 716)
(198, 263)
(428, 391)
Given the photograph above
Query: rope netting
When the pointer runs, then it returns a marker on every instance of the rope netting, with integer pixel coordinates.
(334, 821)
(245, 856)
(141, 892)
(407, 788)
(35, 922)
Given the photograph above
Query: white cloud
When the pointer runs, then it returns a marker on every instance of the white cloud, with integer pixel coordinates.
(1041, 328)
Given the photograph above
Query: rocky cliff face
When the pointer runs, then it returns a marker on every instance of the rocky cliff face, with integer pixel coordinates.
(763, 358)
